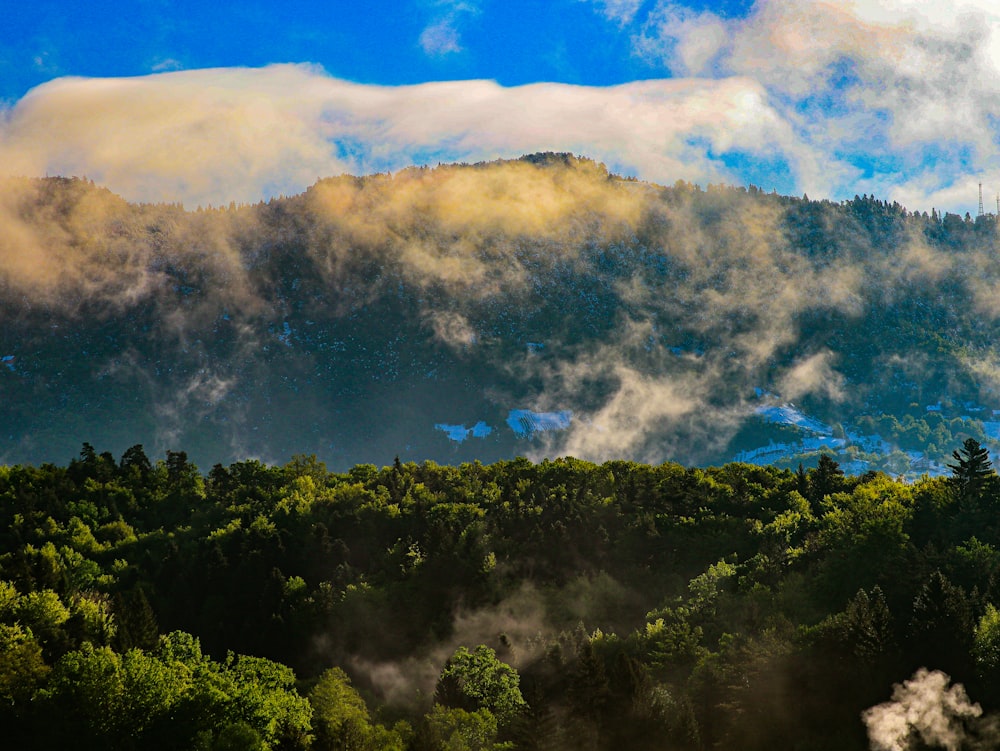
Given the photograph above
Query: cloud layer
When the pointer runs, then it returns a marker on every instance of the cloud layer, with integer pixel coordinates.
(214, 136)
(895, 96)
(891, 97)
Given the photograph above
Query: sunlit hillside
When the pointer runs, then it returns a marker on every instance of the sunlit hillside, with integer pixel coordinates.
(537, 307)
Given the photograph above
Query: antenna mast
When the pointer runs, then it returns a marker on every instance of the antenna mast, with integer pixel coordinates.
(980, 199)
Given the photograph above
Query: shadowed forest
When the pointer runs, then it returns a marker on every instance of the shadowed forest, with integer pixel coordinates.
(517, 605)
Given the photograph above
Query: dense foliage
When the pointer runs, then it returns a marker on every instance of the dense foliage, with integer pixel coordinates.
(561, 605)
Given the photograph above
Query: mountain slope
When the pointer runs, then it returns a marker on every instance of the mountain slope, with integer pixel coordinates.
(538, 306)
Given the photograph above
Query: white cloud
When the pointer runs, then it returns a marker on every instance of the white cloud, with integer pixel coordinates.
(641, 406)
(162, 65)
(442, 36)
(927, 707)
(682, 40)
(243, 134)
(196, 136)
(621, 12)
(905, 89)
(813, 375)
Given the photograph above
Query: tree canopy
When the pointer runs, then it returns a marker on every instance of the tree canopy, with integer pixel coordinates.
(561, 604)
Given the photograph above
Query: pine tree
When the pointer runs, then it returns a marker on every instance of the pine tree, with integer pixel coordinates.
(972, 469)
(826, 479)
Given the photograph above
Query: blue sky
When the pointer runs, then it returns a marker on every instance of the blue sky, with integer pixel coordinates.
(199, 102)
(375, 41)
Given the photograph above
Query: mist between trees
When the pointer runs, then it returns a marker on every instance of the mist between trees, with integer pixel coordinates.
(561, 604)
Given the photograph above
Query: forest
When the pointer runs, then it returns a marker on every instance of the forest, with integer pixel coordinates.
(560, 604)
(535, 307)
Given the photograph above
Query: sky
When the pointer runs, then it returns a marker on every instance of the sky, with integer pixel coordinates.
(208, 103)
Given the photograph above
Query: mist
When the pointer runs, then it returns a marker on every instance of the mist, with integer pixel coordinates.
(928, 710)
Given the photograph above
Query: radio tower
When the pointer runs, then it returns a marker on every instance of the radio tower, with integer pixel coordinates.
(981, 212)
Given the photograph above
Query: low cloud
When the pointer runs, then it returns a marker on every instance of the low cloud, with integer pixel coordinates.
(215, 136)
(515, 627)
(813, 375)
(641, 406)
(200, 137)
(452, 328)
(653, 313)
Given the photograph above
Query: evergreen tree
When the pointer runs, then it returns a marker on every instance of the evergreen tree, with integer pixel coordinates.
(826, 479)
(136, 621)
(972, 469)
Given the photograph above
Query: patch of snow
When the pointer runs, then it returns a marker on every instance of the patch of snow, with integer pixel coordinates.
(456, 433)
(480, 430)
(855, 467)
(873, 444)
(460, 433)
(788, 414)
(526, 423)
(775, 451)
(765, 454)
(823, 442)
(286, 336)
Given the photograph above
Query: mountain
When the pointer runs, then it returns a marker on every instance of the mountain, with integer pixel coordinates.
(539, 306)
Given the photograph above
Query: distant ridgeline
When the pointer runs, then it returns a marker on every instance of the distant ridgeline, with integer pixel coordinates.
(538, 306)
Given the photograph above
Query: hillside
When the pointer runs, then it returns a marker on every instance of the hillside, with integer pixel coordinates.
(536, 307)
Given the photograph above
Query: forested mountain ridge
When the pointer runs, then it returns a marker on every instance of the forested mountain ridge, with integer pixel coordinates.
(538, 306)
(559, 605)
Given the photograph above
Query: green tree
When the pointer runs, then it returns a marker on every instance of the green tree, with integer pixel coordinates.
(136, 621)
(340, 716)
(238, 736)
(826, 479)
(986, 642)
(45, 614)
(135, 464)
(972, 469)
(942, 627)
(107, 700)
(479, 680)
(22, 668)
(262, 692)
(455, 729)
